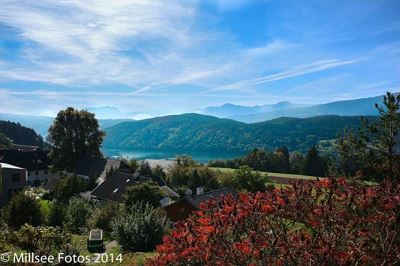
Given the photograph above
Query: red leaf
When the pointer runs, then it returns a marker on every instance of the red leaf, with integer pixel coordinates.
(204, 221)
(266, 208)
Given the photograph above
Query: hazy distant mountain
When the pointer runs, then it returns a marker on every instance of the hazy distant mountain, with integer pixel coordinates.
(231, 110)
(365, 106)
(42, 123)
(197, 132)
(38, 123)
(106, 112)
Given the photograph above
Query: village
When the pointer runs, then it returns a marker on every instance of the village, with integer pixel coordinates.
(29, 169)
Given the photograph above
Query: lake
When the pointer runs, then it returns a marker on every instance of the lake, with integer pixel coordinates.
(141, 154)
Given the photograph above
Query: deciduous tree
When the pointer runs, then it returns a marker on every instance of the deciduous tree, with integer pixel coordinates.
(146, 192)
(74, 133)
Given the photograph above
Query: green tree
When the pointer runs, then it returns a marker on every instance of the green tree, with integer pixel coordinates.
(145, 169)
(101, 216)
(140, 228)
(23, 209)
(282, 160)
(67, 187)
(297, 162)
(354, 154)
(159, 172)
(386, 131)
(372, 150)
(147, 192)
(5, 142)
(247, 179)
(57, 214)
(186, 173)
(314, 164)
(77, 214)
(74, 133)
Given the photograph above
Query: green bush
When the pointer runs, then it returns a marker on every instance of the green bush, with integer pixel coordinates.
(77, 214)
(250, 181)
(141, 228)
(56, 214)
(42, 240)
(147, 192)
(23, 209)
(101, 217)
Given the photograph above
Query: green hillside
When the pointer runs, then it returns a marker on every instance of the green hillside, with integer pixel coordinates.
(206, 133)
(20, 134)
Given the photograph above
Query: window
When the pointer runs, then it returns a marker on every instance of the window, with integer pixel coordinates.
(15, 177)
(37, 172)
(45, 172)
(29, 173)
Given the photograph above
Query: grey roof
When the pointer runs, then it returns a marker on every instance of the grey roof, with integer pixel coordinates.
(195, 200)
(90, 166)
(113, 187)
(96, 167)
(30, 160)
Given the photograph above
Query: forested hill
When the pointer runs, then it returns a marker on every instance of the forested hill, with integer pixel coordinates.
(206, 133)
(20, 134)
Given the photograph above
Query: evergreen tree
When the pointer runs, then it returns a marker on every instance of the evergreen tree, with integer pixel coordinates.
(296, 162)
(145, 169)
(314, 164)
(371, 153)
(385, 133)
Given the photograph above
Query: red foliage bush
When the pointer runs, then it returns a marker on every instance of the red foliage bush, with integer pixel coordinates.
(328, 222)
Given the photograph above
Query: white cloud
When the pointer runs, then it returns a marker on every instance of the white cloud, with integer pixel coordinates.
(290, 73)
(152, 48)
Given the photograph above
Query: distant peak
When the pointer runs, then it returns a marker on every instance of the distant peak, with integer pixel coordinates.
(283, 103)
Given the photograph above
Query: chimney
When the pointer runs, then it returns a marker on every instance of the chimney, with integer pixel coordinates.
(199, 190)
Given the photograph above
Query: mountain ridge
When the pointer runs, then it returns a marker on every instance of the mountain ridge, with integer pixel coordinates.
(353, 107)
(196, 132)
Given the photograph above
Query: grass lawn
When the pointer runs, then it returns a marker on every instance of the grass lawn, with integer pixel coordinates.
(44, 206)
(293, 176)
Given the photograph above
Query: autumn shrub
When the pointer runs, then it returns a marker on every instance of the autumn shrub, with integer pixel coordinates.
(328, 222)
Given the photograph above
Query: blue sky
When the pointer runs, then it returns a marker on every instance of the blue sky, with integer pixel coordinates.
(162, 57)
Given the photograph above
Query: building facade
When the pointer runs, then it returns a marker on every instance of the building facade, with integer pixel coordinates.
(12, 180)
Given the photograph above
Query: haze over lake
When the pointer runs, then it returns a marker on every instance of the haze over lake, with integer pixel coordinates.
(141, 154)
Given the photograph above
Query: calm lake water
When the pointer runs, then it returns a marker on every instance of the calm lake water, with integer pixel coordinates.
(170, 155)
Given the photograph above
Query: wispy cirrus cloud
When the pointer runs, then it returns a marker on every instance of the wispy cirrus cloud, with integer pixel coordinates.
(290, 73)
(167, 54)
